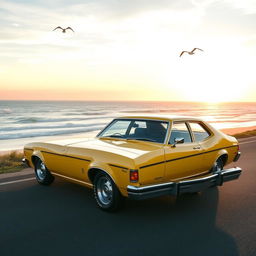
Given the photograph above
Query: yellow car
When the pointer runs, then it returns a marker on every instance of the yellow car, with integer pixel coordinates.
(140, 157)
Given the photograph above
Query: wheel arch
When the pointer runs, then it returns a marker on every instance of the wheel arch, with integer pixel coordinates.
(93, 171)
(223, 154)
(119, 178)
(36, 155)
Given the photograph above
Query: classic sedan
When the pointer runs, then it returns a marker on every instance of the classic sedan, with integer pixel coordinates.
(140, 157)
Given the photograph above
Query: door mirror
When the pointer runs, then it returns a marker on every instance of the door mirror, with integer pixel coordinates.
(178, 141)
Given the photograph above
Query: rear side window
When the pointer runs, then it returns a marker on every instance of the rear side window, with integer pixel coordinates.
(200, 133)
(180, 130)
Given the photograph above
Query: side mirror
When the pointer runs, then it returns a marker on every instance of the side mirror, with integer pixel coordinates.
(178, 141)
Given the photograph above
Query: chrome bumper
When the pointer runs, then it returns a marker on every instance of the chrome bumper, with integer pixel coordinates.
(25, 161)
(186, 186)
(237, 156)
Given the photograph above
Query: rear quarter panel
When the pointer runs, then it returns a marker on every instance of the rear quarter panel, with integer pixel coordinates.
(218, 144)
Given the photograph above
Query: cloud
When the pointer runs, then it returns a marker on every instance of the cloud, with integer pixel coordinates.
(225, 18)
(247, 6)
(111, 32)
(99, 26)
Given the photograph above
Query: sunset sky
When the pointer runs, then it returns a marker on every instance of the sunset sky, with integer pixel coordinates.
(128, 50)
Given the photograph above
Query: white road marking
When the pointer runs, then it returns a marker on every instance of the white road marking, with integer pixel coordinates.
(16, 181)
(246, 142)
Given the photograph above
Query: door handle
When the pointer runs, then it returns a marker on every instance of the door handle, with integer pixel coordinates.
(198, 147)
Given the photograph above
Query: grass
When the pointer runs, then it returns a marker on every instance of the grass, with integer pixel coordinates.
(245, 134)
(11, 162)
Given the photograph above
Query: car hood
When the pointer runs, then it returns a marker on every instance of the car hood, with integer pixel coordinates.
(128, 148)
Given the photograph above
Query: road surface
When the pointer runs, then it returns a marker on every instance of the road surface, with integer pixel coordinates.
(63, 219)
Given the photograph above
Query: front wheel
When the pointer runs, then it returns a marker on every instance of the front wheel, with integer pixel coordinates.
(43, 176)
(106, 193)
(218, 165)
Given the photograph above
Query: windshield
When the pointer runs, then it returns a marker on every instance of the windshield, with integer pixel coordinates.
(147, 130)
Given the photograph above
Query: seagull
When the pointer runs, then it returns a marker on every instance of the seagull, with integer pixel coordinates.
(64, 29)
(192, 52)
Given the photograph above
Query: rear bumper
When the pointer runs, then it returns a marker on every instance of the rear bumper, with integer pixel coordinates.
(186, 186)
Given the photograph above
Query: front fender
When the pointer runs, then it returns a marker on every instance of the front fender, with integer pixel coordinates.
(38, 154)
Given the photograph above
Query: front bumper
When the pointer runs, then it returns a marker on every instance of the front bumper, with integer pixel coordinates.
(186, 186)
(237, 156)
(25, 161)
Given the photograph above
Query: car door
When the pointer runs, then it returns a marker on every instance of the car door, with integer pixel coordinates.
(184, 159)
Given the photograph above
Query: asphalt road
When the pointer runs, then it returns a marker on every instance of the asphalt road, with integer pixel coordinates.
(63, 219)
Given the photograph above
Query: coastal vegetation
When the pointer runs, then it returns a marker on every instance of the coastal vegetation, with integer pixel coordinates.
(245, 134)
(11, 162)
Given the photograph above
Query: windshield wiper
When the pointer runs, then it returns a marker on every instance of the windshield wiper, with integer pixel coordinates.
(122, 137)
(113, 136)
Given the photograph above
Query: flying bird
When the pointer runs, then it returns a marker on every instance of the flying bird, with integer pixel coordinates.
(192, 52)
(64, 29)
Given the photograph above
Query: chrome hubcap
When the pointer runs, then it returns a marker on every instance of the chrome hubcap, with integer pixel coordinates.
(217, 166)
(41, 171)
(104, 190)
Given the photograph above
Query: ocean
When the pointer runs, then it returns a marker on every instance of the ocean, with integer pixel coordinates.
(31, 120)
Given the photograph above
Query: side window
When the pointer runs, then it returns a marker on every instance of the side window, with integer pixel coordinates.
(180, 130)
(200, 133)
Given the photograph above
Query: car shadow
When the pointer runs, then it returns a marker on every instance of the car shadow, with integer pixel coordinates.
(64, 217)
(185, 224)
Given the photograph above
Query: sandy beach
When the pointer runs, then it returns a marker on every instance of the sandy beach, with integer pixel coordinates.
(18, 144)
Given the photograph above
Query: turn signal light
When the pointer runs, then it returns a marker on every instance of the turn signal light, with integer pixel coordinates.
(134, 175)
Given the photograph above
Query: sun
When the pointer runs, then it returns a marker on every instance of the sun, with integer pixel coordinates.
(206, 77)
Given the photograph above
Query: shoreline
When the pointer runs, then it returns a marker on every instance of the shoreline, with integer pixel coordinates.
(240, 133)
(10, 144)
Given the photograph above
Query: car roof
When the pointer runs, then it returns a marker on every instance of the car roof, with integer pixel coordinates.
(161, 117)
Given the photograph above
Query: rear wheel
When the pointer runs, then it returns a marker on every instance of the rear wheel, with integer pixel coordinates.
(43, 176)
(106, 193)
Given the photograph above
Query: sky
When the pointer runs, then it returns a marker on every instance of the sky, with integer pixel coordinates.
(128, 50)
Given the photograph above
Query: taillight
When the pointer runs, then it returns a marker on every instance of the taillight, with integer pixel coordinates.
(134, 175)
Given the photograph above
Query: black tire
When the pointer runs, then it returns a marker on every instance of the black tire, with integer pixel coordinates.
(218, 165)
(106, 193)
(43, 176)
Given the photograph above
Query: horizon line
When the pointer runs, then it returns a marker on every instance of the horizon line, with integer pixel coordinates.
(174, 101)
